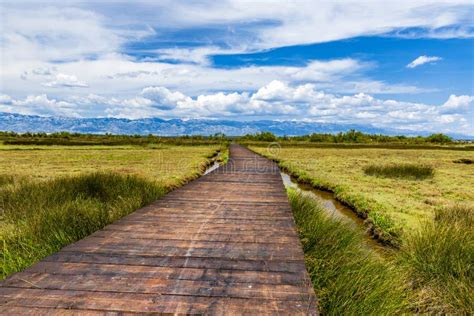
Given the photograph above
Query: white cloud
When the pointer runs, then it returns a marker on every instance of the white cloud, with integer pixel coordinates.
(43, 71)
(421, 60)
(63, 80)
(327, 70)
(456, 103)
(276, 100)
(163, 98)
(39, 105)
(275, 90)
(52, 33)
(119, 75)
(75, 30)
(199, 55)
(269, 24)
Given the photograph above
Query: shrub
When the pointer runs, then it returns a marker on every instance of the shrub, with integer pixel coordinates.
(439, 138)
(464, 161)
(402, 171)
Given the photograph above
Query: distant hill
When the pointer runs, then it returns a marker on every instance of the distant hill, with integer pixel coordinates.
(175, 127)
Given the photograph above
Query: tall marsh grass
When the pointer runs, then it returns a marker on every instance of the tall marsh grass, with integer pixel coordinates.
(440, 258)
(432, 273)
(39, 218)
(348, 278)
(402, 171)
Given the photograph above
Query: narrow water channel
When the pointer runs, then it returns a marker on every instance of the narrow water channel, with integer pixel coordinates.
(215, 164)
(334, 208)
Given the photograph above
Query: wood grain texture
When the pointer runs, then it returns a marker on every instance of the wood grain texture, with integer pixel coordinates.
(225, 243)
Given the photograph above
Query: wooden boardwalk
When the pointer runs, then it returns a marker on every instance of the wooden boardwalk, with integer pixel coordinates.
(225, 243)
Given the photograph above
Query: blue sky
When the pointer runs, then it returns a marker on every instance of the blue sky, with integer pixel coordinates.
(397, 64)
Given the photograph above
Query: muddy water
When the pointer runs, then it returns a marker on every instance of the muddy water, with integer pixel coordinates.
(334, 208)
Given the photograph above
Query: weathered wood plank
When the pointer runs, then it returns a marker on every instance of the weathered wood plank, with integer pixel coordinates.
(185, 273)
(127, 283)
(198, 236)
(180, 262)
(146, 303)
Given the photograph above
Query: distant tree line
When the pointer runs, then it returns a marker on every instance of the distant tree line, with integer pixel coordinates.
(351, 136)
(78, 139)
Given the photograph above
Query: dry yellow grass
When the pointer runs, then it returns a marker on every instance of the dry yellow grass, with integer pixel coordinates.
(166, 164)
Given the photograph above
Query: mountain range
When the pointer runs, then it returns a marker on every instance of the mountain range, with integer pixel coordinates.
(175, 127)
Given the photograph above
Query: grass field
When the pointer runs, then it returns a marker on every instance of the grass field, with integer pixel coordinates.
(51, 196)
(394, 205)
(167, 164)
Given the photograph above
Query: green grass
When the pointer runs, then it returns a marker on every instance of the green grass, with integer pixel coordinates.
(440, 257)
(348, 278)
(432, 272)
(402, 171)
(39, 218)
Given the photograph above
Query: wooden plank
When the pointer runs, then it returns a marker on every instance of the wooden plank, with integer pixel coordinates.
(210, 228)
(260, 253)
(155, 245)
(203, 274)
(127, 283)
(145, 303)
(180, 262)
(198, 236)
(225, 243)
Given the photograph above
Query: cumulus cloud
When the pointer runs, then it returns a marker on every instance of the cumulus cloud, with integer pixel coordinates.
(63, 80)
(38, 105)
(50, 77)
(277, 99)
(163, 98)
(421, 60)
(457, 103)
